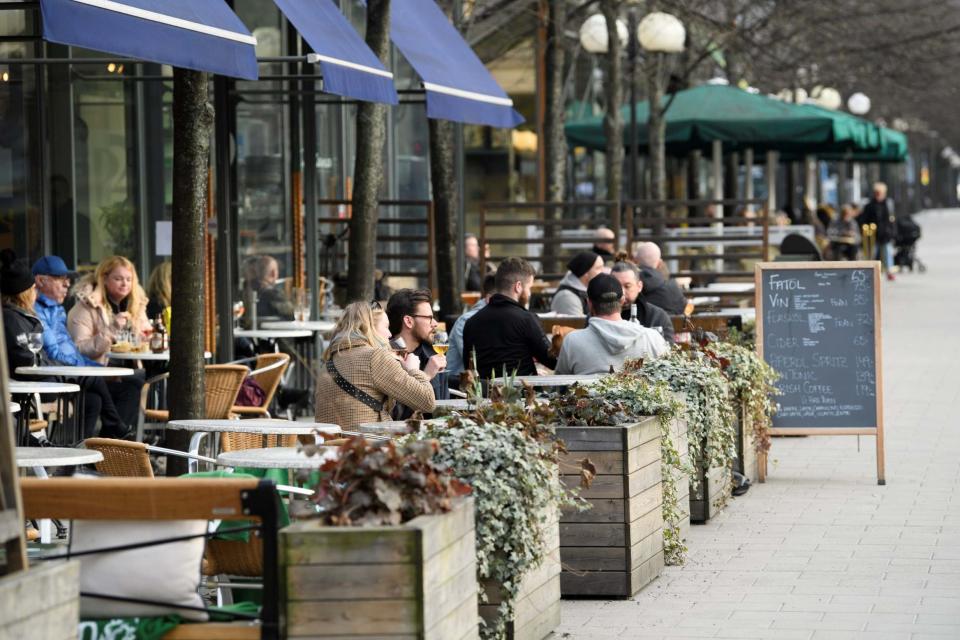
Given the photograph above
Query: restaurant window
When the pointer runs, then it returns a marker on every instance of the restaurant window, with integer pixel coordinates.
(21, 213)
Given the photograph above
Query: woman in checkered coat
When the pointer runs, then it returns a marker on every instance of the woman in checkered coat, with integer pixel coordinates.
(361, 377)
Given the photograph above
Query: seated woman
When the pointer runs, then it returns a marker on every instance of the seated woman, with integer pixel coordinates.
(360, 375)
(19, 295)
(108, 302)
(260, 277)
(158, 290)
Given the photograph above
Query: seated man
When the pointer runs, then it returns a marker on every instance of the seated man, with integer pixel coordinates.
(657, 289)
(571, 296)
(455, 359)
(503, 336)
(603, 244)
(410, 313)
(647, 314)
(608, 340)
(117, 398)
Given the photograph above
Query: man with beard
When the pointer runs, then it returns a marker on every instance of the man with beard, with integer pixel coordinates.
(504, 337)
(410, 312)
(648, 314)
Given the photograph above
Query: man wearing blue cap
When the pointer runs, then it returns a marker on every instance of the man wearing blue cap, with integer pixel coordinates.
(52, 279)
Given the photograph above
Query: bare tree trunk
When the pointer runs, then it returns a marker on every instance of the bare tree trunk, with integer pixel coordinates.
(613, 89)
(555, 141)
(368, 170)
(192, 122)
(443, 179)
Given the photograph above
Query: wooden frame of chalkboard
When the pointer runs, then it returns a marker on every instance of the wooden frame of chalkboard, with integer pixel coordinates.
(873, 415)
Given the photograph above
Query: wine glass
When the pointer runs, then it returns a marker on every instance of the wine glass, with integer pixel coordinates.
(35, 344)
(238, 311)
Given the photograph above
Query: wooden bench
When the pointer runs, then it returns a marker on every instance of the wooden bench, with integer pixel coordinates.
(173, 499)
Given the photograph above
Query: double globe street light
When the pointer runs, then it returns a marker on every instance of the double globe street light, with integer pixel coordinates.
(658, 33)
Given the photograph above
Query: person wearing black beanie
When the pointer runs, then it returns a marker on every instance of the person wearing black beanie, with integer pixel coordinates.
(571, 296)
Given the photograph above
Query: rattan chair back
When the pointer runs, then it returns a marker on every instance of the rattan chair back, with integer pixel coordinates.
(121, 458)
(223, 382)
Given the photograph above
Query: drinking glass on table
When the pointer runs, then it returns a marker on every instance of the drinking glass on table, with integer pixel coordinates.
(238, 311)
(35, 344)
(302, 303)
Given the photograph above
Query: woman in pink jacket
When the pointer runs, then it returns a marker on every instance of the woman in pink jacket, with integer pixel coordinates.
(108, 302)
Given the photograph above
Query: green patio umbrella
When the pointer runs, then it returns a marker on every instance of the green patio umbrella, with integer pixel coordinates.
(739, 119)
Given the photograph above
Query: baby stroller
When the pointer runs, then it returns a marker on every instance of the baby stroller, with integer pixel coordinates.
(908, 233)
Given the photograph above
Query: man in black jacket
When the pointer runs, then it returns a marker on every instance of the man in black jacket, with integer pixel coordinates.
(504, 336)
(657, 289)
(879, 211)
(649, 315)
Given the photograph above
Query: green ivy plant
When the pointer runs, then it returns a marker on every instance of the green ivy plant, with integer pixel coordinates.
(752, 382)
(623, 398)
(710, 418)
(501, 451)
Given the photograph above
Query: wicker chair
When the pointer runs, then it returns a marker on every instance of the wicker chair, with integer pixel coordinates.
(121, 458)
(268, 373)
(222, 384)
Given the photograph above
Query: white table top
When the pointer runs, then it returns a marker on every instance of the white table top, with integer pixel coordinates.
(387, 427)
(272, 334)
(276, 458)
(75, 372)
(55, 457)
(551, 381)
(18, 387)
(292, 325)
(453, 403)
(263, 427)
(147, 355)
(13, 407)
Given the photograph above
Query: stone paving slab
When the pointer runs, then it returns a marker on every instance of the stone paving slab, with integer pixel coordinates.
(820, 551)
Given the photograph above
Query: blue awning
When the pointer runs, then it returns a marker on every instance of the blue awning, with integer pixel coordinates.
(350, 68)
(457, 84)
(204, 35)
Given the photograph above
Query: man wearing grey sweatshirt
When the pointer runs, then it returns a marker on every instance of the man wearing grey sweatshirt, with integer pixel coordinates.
(608, 340)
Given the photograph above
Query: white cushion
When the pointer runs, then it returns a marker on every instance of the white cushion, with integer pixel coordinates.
(168, 573)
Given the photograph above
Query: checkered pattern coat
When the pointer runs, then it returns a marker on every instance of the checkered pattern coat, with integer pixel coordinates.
(379, 374)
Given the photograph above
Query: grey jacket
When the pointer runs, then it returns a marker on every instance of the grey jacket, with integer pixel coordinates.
(606, 343)
(568, 303)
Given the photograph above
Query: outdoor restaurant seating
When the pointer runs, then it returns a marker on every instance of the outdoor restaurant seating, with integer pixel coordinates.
(268, 373)
(223, 382)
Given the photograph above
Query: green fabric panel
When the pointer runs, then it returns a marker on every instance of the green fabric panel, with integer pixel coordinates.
(283, 519)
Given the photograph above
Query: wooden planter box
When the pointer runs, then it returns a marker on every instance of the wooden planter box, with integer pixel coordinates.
(615, 548)
(710, 493)
(414, 580)
(42, 602)
(747, 462)
(537, 610)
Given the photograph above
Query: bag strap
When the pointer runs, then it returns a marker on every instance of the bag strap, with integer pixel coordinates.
(353, 391)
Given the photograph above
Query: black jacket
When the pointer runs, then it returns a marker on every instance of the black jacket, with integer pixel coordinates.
(650, 316)
(881, 214)
(662, 292)
(17, 322)
(506, 337)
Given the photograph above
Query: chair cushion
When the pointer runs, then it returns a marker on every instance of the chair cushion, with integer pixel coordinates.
(167, 573)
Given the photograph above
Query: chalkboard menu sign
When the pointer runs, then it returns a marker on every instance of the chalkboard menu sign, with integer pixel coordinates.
(818, 326)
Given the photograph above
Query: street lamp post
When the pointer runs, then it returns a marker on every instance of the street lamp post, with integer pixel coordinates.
(859, 105)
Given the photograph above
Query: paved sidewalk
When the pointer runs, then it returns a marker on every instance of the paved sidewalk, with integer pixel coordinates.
(822, 551)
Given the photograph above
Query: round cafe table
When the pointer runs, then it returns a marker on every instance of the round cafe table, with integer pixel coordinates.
(276, 458)
(264, 428)
(459, 404)
(22, 392)
(272, 334)
(75, 372)
(391, 428)
(551, 381)
(39, 458)
(316, 326)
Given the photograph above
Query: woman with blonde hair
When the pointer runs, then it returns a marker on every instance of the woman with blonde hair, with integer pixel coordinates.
(108, 301)
(360, 376)
(159, 289)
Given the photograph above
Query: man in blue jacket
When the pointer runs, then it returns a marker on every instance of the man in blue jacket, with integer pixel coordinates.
(52, 279)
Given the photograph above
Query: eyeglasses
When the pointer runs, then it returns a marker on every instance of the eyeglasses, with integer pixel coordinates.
(430, 318)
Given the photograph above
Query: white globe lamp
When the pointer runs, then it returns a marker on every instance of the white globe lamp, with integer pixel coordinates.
(593, 34)
(661, 32)
(829, 98)
(859, 104)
